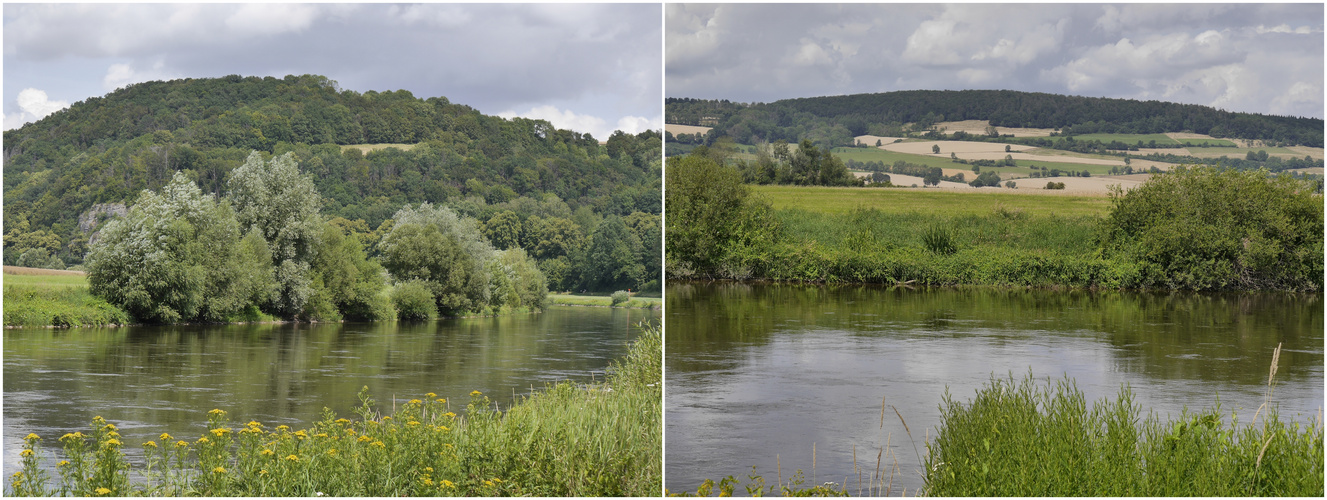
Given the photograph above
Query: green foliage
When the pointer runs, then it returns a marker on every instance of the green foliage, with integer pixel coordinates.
(442, 249)
(1026, 439)
(1209, 229)
(515, 281)
(282, 205)
(39, 257)
(612, 258)
(567, 440)
(939, 240)
(619, 297)
(350, 281)
(414, 301)
(175, 257)
(713, 223)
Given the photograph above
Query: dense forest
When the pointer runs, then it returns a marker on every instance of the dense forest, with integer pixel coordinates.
(588, 213)
(835, 120)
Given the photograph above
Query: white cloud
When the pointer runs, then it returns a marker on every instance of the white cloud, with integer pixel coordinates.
(122, 74)
(931, 43)
(271, 19)
(595, 126)
(637, 124)
(1283, 28)
(34, 105)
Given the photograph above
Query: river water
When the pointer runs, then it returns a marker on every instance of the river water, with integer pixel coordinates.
(149, 380)
(788, 377)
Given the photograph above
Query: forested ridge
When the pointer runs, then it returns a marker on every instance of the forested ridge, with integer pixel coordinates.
(834, 120)
(527, 183)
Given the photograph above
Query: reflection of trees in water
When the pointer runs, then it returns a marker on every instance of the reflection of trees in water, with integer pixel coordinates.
(1169, 335)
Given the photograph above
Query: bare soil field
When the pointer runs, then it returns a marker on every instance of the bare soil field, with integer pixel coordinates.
(676, 129)
(978, 127)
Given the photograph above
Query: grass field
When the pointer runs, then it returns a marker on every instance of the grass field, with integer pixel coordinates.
(834, 200)
(45, 297)
(70, 279)
(1131, 139)
(1240, 152)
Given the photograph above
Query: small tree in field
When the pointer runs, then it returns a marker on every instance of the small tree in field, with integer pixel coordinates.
(935, 148)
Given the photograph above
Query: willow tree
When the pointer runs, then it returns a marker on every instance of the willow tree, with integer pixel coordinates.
(272, 198)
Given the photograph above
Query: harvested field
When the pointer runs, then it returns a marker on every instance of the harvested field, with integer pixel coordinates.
(1316, 153)
(676, 129)
(367, 148)
(1164, 151)
(35, 271)
(978, 127)
(959, 147)
(1314, 170)
(909, 180)
(869, 140)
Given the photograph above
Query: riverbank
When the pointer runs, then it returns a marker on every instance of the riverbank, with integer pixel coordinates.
(635, 302)
(568, 439)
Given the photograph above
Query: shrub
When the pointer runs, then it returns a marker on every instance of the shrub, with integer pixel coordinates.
(414, 301)
(1208, 229)
(938, 239)
(620, 296)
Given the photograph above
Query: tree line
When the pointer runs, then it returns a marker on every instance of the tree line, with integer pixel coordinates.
(835, 120)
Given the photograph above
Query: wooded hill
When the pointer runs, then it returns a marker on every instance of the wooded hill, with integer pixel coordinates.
(107, 150)
(835, 120)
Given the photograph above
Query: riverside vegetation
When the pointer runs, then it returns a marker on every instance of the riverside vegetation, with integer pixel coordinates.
(601, 439)
(1024, 438)
(1198, 228)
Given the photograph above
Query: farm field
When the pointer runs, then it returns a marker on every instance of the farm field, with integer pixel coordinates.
(1240, 152)
(978, 127)
(835, 200)
(368, 148)
(1099, 167)
(1128, 138)
(685, 129)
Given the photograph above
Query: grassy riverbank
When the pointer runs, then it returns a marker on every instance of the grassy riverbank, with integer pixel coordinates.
(636, 302)
(566, 440)
(44, 297)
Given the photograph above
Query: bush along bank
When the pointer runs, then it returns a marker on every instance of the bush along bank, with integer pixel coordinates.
(1195, 228)
(566, 440)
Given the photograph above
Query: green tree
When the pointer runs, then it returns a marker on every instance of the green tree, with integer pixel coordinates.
(282, 205)
(178, 256)
(515, 281)
(349, 281)
(1208, 229)
(504, 230)
(712, 219)
(935, 148)
(612, 258)
(442, 249)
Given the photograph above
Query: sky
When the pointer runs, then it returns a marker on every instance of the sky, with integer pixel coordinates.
(588, 67)
(1258, 58)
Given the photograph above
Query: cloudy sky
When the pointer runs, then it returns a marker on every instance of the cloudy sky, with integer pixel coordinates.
(1262, 58)
(591, 67)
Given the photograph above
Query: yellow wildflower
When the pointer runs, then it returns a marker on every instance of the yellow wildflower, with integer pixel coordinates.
(113, 434)
(103, 491)
(267, 452)
(412, 423)
(204, 440)
(331, 451)
(320, 435)
(25, 453)
(150, 444)
(165, 437)
(350, 432)
(342, 421)
(254, 423)
(262, 472)
(378, 444)
(112, 442)
(109, 427)
(32, 437)
(62, 463)
(181, 444)
(448, 484)
(430, 395)
(428, 469)
(365, 439)
(74, 435)
(389, 417)
(219, 470)
(443, 428)
(18, 474)
(414, 402)
(283, 427)
(292, 458)
(428, 482)
(475, 393)
(301, 434)
(441, 400)
(217, 412)
(488, 483)
(496, 480)
(449, 415)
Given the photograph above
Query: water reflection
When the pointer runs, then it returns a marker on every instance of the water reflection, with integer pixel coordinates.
(757, 372)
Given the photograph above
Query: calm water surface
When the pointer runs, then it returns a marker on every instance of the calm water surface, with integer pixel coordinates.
(149, 380)
(758, 375)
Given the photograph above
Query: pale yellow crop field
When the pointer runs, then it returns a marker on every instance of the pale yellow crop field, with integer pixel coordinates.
(676, 129)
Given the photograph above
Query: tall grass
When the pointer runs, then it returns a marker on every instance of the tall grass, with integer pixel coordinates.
(1021, 438)
(566, 440)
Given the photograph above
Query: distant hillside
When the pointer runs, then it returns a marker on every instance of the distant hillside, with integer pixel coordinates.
(106, 150)
(837, 119)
